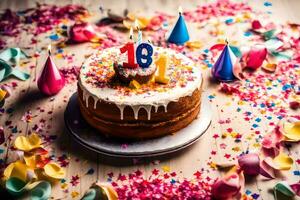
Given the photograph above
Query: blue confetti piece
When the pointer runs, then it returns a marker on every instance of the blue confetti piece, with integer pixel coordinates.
(255, 196)
(286, 87)
(248, 192)
(209, 65)
(14, 129)
(211, 96)
(279, 117)
(262, 105)
(206, 50)
(248, 113)
(267, 4)
(297, 173)
(237, 140)
(54, 37)
(90, 171)
(60, 50)
(1, 151)
(247, 33)
(64, 27)
(238, 109)
(254, 125)
(258, 120)
(10, 110)
(173, 181)
(63, 180)
(229, 21)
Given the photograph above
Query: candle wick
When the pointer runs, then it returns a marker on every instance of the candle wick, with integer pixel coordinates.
(226, 41)
(49, 52)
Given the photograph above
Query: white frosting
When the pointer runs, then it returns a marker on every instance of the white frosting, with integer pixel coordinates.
(137, 101)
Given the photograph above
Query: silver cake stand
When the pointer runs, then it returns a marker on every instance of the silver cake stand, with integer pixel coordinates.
(89, 137)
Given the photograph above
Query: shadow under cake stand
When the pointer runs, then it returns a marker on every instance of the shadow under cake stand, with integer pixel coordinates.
(89, 137)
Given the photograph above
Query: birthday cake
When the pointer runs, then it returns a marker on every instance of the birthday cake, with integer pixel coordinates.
(141, 102)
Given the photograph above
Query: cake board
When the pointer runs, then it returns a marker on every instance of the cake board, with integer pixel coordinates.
(89, 137)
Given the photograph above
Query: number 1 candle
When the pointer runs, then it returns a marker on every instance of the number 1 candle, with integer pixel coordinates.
(129, 48)
(162, 64)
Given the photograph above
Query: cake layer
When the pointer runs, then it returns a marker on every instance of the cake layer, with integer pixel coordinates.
(111, 112)
(140, 129)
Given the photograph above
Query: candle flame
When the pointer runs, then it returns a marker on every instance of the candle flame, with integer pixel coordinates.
(180, 10)
(49, 49)
(131, 33)
(226, 41)
(136, 24)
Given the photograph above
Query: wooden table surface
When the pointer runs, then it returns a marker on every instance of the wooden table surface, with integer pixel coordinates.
(27, 98)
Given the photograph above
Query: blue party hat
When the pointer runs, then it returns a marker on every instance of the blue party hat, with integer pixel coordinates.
(179, 34)
(223, 70)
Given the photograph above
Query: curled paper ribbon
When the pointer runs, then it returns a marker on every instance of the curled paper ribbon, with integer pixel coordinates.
(19, 170)
(254, 57)
(3, 94)
(28, 143)
(283, 162)
(53, 170)
(83, 32)
(249, 163)
(296, 188)
(271, 143)
(291, 130)
(8, 57)
(266, 169)
(229, 186)
(132, 19)
(40, 190)
(282, 189)
(101, 191)
(269, 166)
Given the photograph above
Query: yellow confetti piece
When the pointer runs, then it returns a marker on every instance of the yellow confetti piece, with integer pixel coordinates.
(270, 67)
(224, 135)
(2, 94)
(64, 186)
(53, 170)
(74, 194)
(283, 161)
(256, 145)
(134, 84)
(228, 104)
(213, 165)
(17, 169)
(28, 143)
(194, 44)
(233, 134)
(291, 131)
(236, 149)
(166, 168)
